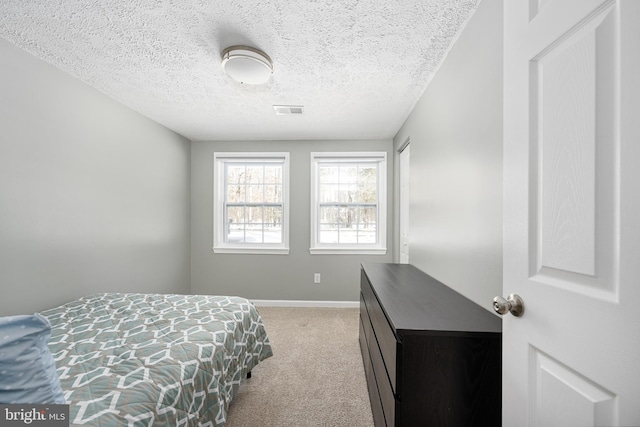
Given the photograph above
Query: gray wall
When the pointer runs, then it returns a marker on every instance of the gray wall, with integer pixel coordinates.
(275, 277)
(93, 196)
(456, 164)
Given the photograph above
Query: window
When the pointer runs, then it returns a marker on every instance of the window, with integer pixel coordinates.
(348, 203)
(251, 203)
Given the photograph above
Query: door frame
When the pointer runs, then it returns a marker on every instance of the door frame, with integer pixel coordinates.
(403, 196)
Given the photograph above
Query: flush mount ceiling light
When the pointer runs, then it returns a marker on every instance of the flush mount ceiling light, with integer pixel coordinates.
(247, 65)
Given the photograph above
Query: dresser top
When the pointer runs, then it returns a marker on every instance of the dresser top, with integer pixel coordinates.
(413, 301)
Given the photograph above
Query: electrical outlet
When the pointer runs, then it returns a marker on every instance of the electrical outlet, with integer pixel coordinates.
(316, 277)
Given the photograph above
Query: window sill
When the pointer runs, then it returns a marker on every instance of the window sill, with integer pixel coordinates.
(347, 251)
(254, 251)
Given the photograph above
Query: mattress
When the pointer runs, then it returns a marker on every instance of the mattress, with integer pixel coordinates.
(152, 359)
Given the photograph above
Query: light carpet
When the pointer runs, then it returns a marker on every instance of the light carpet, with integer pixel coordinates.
(315, 377)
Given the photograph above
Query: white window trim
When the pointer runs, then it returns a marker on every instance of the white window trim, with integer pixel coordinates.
(379, 248)
(219, 245)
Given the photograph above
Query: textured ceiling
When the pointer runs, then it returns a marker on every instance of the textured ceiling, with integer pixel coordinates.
(357, 66)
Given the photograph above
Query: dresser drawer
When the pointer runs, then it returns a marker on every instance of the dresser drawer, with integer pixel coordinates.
(389, 346)
(384, 386)
(364, 346)
(364, 317)
(374, 396)
(376, 407)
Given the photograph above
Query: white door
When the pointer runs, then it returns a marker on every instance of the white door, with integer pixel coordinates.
(404, 203)
(572, 212)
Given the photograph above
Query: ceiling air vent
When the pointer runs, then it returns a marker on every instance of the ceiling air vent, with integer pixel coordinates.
(288, 110)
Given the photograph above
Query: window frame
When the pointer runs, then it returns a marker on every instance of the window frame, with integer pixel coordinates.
(220, 159)
(378, 248)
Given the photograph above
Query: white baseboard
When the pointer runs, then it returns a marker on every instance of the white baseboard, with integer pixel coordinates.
(298, 303)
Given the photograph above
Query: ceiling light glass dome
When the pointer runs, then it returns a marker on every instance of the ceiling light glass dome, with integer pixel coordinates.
(247, 65)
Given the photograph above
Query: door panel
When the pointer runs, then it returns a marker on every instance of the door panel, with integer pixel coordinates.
(583, 402)
(573, 185)
(572, 212)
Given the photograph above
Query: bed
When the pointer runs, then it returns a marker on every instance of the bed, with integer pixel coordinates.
(152, 359)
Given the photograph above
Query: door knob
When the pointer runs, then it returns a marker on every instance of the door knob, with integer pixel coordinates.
(512, 304)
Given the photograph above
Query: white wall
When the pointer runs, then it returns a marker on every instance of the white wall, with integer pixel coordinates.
(456, 164)
(93, 196)
(276, 277)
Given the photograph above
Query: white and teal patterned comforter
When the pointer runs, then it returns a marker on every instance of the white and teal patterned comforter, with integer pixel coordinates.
(147, 359)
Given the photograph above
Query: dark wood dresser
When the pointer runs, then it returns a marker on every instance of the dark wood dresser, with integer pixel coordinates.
(431, 356)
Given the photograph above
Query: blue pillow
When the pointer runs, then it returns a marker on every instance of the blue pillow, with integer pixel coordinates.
(27, 370)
